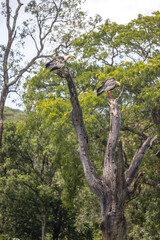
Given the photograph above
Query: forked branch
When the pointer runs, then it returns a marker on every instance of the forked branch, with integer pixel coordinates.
(133, 169)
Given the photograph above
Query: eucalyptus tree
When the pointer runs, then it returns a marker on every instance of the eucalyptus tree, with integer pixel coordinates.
(46, 28)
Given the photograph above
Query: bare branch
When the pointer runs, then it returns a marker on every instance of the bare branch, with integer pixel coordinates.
(77, 119)
(8, 17)
(120, 95)
(115, 124)
(34, 40)
(16, 16)
(135, 191)
(141, 134)
(133, 169)
(152, 183)
(11, 36)
(25, 69)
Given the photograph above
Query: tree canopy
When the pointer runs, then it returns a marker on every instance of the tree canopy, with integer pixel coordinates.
(42, 181)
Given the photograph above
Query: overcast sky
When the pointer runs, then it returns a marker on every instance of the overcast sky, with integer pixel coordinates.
(120, 11)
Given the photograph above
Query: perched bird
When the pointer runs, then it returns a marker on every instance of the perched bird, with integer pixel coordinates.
(107, 85)
(57, 63)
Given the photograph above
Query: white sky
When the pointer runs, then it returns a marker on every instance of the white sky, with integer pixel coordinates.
(120, 11)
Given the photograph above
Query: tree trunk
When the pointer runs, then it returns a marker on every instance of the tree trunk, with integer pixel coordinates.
(113, 225)
(44, 224)
(115, 188)
(4, 94)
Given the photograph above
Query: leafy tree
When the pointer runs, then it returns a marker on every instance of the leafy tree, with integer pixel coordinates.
(138, 43)
(107, 51)
(49, 26)
(114, 189)
(139, 77)
(13, 114)
(110, 43)
(33, 159)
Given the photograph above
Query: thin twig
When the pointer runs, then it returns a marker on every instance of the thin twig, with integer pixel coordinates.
(120, 95)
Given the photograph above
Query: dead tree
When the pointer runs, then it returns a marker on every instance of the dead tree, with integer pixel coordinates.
(114, 188)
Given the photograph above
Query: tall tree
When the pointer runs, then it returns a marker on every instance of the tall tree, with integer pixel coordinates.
(50, 26)
(114, 189)
(141, 79)
(32, 173)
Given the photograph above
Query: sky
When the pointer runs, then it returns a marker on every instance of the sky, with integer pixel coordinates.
(119, 11)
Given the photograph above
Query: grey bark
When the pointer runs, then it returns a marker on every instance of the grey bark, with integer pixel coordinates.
(113, 189)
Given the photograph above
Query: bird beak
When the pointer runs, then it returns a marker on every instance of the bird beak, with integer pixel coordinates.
(118, 84)
(67, 57)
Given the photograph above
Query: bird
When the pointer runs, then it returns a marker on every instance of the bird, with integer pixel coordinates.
(57, 63)
(107, 85)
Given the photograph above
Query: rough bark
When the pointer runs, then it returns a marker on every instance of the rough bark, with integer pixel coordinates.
(112, 189)
(82, 136)
(113, 223)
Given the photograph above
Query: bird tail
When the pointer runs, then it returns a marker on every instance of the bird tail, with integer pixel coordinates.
(47, 65)
(100, 90)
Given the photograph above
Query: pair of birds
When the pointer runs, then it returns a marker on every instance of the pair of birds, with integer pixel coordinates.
(107, 85)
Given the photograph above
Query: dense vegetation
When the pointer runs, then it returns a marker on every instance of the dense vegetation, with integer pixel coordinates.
(11, 114)
(44, 194)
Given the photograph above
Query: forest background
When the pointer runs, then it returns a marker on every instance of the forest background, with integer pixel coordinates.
(44, 194)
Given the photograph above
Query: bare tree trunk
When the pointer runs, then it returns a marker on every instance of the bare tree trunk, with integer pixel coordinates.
(114, 226)
(113, 189)
(113, 223)
(44, 224)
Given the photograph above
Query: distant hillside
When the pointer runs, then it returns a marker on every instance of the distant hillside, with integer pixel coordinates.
(13, 114)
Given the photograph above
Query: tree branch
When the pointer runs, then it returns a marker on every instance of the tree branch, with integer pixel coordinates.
(141, 134)
(115, 124)
(120, 169)
(120, 95)
(11, 36)
(16, 16)
(133, 169)
(152, 183)
(77, 119)
(135, 191)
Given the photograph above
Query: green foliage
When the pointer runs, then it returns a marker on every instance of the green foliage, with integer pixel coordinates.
(119, 52)
(130, 53)
(30, 176)
(40, 166)
(143, 217)
(13, 114)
